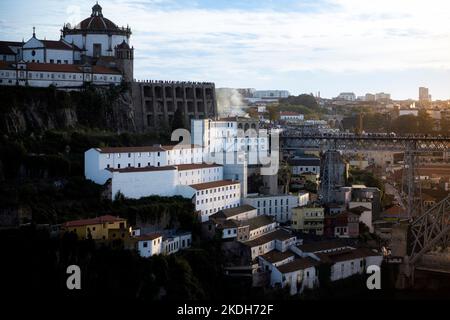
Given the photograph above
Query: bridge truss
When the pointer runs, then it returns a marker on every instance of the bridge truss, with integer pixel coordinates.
(411, 146)
(430, 230)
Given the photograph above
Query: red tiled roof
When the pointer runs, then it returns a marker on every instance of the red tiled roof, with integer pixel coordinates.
(321, 246)
(130, 149)
(348, 255)
(59, 45)
(279, 234)
(6, 65)
(98, 220)
(151, 236)
(298, 264)
(289, 113)
(72, 68)
(194, 166)
(277, 256)
(180, 146)
(213, 184)
(5, 48)
(143, 169)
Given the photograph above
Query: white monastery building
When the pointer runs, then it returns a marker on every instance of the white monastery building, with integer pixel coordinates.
(96, 51)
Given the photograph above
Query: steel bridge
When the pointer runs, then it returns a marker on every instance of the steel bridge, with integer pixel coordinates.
(416, 144)
(427, 230)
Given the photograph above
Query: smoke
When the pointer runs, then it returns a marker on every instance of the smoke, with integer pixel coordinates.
(230, 103)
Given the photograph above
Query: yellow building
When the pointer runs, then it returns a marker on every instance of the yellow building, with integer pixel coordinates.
(308, 219)
(96, 228)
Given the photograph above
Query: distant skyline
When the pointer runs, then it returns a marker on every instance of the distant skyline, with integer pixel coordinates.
(307, 46)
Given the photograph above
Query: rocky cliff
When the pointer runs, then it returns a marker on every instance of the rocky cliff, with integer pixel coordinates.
(25, 109)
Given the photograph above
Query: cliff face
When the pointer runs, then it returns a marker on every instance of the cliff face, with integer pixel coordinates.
(24, 109)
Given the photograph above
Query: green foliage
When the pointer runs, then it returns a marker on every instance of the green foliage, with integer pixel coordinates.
(305, 100)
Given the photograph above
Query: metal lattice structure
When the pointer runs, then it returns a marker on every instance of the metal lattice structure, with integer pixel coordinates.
(331, 174)
(430, 230)
(290, 140)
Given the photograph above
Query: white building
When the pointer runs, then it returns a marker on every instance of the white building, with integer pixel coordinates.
(58, 75)
(97, 160)
(347, 96)
(271, 94)
(279, 239)
(301, 165)
(224, 137)
(50, 51)
(291, 117)
(211, 197)
(96, 35)
(408, 112)
(96, 51)
(156, 243)
(278, 206)
(298, 274)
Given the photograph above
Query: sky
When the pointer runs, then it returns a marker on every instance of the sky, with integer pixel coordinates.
(304, 46)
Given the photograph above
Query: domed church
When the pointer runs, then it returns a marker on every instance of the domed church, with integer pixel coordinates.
(96, 35)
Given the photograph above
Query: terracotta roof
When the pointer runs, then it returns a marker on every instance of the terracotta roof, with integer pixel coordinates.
(72, 68)
(98, 220)
(151, 236)
(59, 45)
(289, 113)
(258, 222)
(348, 255)
(6, 65)
(298, 264)
(322, 246)
(279, 234)
(194, 166)
(395, 210)
(277, 256)
(130, 149)
(180, 146)
(5, 48)
(358, 210)
(213, 184)
(142, 169)
(231, 212)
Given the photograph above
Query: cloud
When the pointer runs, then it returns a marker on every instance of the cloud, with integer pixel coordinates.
(229, 42)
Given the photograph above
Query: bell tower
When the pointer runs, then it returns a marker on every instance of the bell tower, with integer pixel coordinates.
(125, 60)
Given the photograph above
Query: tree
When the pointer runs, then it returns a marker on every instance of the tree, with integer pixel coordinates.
(306, 100)
(273, 113)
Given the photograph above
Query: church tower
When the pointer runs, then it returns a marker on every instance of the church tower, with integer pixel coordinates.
(124, 60)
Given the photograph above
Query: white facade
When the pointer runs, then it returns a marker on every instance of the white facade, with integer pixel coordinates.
(297, 280)
(347, 96)
(135, 184)
(271, 94)
(278, 206)
(55, 52)
(154, 244)
(222, 139)
(366, 216)
(210, 198)
(291, 117)
(44, 75)
(98, 159)
(148, 246)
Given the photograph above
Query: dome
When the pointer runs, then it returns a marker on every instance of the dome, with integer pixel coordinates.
(96, 23)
